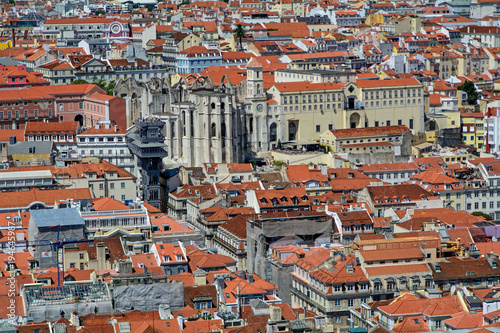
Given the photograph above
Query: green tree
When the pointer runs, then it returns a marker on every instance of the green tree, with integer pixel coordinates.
(240, 32)
(80, 81)
(486, 216)
(12, 2)
(150, 6)
(100, 12)
(470, 89)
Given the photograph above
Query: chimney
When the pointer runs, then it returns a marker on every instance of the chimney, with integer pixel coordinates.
(220, 284)
(275, 313)
(101, 256)
(75, 319)
(97, 126)
(250, 278)
(180, 321)
(165, 312)
(116, 128)
(106, 126)
(200, 278)
(125, 267)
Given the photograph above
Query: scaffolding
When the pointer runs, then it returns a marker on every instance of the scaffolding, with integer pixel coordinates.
(67, 294)
(48, 303)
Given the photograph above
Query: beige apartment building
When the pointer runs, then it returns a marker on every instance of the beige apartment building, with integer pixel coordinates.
(313, 108)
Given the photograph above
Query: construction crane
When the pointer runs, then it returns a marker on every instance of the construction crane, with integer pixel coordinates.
(57, 246)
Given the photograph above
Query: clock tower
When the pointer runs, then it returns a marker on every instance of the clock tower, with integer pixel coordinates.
(256, 107)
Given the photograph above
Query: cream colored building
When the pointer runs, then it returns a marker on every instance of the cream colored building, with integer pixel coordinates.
(312, 108)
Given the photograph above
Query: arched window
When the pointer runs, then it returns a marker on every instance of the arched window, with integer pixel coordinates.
(273, 133)
(222, 105)
(214, 130)
(223, 130)
(184, 123)
(251, 125)
(223, 134)
(212, 105)
(172, 129)
(292, 131)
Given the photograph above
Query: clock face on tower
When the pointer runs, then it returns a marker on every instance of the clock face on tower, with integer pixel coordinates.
(260, 107)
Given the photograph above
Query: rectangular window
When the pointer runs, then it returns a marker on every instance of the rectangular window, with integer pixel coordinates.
(411, 123)
(26, 114)
(318, 128)
(122, 185)
(101, 186)
(112, 186)
(123, 197)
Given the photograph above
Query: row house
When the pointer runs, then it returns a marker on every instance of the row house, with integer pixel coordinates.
(340, 140)
(63, 134)
(393, 173)
(352, 224)
(197, 58)
(330, 285)
(85, 103)
(20, 106)
(278, 200)
(482, 36)
(240, 288)
(171, 258)
(18, 76)
(109, 218)
(458, 272)
(394, 270)
(447, 188)
(177, 200)
(208, 220)
(108, 142)
(422, 312)
(308, 177)
(398, 197)
(102, 179)
(88, 28)
(231, 240)
(226, 172)
(473, 131)
(58, 71)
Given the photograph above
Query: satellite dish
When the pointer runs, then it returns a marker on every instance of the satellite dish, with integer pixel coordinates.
(494, 239)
